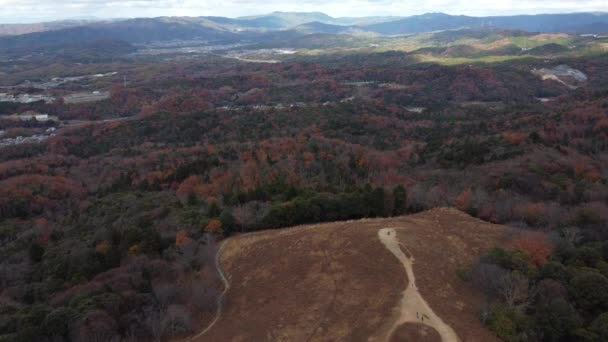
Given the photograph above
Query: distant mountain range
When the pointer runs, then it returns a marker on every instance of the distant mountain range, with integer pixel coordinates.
(287, 20)
(281, 24)
(543, 23)
(131, 30)
(18, 29)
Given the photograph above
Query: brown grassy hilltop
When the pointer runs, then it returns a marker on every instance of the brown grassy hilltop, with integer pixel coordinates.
(339, 282)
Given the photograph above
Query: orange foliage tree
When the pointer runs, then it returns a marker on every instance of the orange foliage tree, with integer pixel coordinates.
(214, 227)
(536, 246)
(533, 213)
(103, 247)
(515, 138)
(463, 201)
(182, 238)
(190, 186)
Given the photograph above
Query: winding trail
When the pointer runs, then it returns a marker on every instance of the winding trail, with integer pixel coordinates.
(220, 298)
(413, 308)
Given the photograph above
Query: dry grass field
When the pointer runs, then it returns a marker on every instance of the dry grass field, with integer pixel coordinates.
(339, 282)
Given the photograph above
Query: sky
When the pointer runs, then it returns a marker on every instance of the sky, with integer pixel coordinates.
(25, 11)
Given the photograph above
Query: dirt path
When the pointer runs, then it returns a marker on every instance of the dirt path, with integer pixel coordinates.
(413, 308)
(346, 281)
(220, 298)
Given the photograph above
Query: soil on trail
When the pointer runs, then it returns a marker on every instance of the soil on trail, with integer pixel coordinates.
(339, 282)
(409, 332)
(413, 307)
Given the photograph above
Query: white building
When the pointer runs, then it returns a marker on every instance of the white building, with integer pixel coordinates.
(30, 115)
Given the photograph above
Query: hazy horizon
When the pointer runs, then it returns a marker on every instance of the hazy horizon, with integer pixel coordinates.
(32, 11)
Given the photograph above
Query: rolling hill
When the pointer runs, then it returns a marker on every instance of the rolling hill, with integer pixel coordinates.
(132, 31)
(18, 29)
(278, 25)
(318, 27)
(345, 281)
(564, 23)
(285, 20)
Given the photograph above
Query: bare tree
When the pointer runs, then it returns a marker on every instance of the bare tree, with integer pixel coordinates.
(165, 293)
(572, 235)
(487, 277)
(250, 214)
(152, 320)
(486, 312)
(416, 196)
(96, 326)
(204, 295)
(207, 253)
(244, 215)
(480, 197)
(177, 321)
(515, 290)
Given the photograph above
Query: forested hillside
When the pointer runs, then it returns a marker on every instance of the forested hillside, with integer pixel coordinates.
(109, 228)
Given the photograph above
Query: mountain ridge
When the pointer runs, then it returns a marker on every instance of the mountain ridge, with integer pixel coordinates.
(263, 28)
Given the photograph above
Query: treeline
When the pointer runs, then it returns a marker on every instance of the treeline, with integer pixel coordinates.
(114, 272)
(322, 207)
(547, 288)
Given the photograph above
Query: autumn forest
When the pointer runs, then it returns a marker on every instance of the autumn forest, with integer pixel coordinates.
(110, 224)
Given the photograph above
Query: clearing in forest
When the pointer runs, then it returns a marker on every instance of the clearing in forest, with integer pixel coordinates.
(345, 281)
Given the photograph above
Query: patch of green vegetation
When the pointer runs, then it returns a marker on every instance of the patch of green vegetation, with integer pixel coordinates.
(527, 43)
(461, 60)
(592, 50)
(311, 52)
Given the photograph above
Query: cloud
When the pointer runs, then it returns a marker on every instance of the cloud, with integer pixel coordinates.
(38, 10)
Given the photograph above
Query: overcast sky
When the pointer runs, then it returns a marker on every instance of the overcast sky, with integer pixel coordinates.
(16, 11)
